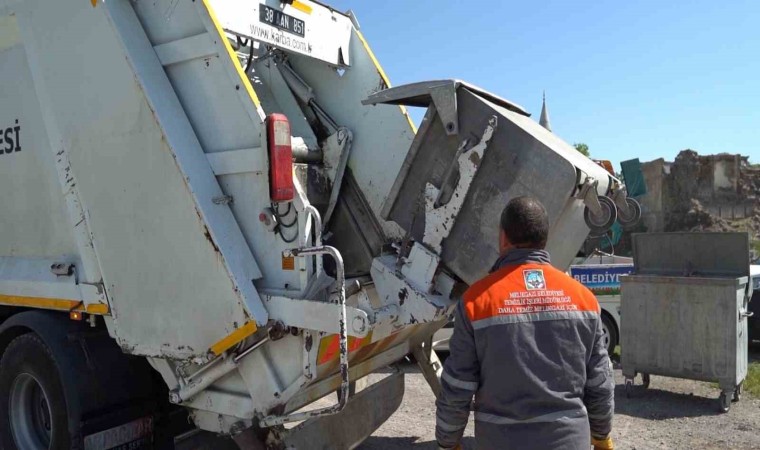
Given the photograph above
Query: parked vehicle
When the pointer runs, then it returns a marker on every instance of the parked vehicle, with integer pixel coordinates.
(601, 274)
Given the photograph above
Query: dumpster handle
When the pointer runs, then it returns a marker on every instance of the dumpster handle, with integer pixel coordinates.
(271, 421)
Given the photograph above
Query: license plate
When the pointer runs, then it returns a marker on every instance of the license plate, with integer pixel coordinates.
(130, 436)
(279, 19)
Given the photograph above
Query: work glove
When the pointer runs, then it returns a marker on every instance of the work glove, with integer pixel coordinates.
(602, 443)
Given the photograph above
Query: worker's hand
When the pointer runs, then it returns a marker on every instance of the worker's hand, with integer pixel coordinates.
(602, 443)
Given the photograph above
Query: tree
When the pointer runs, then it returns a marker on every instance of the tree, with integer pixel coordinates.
(583, 148)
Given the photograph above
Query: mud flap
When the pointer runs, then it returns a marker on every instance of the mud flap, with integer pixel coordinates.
(363, 414)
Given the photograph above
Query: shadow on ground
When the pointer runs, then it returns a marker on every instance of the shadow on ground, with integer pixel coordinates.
(657, 404)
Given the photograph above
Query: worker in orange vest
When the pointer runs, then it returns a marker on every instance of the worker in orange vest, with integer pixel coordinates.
(527, 344)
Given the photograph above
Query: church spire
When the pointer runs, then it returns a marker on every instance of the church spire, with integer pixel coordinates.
(544, 121)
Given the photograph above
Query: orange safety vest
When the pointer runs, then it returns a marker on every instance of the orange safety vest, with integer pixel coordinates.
(527, 292)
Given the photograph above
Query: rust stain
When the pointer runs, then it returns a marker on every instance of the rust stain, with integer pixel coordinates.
(207, 233)
(475, 159)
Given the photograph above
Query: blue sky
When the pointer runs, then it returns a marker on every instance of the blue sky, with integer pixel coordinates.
(641, 79)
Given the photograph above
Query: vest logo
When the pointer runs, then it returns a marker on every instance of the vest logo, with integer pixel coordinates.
(534, 279)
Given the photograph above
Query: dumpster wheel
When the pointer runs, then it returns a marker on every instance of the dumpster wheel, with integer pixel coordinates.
(600, 223)
(631, 219)
(725, 401)
(737, 393)
(628, 387)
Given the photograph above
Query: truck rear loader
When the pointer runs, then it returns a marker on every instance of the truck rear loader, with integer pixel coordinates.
(221, 211)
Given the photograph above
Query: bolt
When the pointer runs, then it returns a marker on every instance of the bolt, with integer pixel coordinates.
(359, 324)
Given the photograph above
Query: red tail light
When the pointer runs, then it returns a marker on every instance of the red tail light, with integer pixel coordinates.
(281, 187)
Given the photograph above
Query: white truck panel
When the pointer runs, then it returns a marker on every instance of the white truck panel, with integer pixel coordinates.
(132, 150)
(33, 210)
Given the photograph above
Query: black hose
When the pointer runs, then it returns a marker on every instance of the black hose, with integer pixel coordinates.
(250, 59)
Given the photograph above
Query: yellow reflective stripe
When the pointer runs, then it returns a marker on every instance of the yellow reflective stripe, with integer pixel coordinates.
(234, 338)
(301, 6)
(372, 57)
(384, 77)
(53, 303)
(98, 308)
(233, 56)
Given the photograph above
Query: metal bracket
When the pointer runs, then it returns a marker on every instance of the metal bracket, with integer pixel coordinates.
(590, 197)
(619, 196)
(440, 220)
(209, 374)
(429, 364)
(415, 305)
(420, 267)
(316, 316)
(336, 150)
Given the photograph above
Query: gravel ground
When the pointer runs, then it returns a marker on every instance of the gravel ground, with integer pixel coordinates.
(671, 414)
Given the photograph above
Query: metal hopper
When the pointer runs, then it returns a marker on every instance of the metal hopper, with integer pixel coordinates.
(475, 151)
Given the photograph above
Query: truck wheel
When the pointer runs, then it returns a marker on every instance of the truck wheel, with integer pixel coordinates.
(610, 334)
(32, 404)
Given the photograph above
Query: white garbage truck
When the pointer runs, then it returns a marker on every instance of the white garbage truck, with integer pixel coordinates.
(220, 211)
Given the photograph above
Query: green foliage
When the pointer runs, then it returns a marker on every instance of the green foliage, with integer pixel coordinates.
(583, 148)
(752, 382)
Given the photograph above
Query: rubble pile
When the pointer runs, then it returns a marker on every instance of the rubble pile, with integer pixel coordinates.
(697, 218)
(693, 200)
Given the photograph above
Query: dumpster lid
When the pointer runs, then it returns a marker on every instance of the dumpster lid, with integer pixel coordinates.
(691, 254)
(442, 94)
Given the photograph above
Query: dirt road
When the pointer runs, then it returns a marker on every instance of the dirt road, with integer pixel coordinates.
(671, 414)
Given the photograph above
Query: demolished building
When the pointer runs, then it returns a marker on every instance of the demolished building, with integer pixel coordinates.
(702, 193)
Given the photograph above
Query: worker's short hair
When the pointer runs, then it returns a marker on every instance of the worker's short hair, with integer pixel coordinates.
(525, 222)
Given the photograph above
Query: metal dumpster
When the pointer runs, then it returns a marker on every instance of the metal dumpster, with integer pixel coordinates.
(512, 155)
(684, 309)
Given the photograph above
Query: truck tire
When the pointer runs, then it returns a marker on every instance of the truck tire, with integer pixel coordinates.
(610, 333)
(33, 413)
